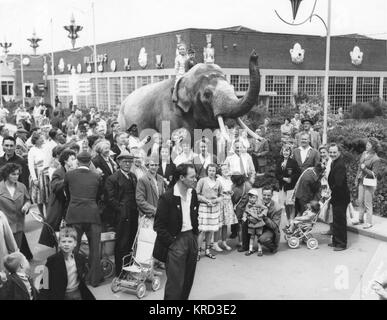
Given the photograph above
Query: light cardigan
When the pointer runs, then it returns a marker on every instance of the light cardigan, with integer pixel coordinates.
(36, 160)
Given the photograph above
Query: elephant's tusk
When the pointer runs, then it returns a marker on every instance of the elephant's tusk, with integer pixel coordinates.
(249, 131)
(223, 130)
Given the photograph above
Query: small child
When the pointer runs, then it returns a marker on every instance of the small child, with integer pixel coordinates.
(18, 285)
(312, 209)
(180, 62)
(253, 214)
(67, 270)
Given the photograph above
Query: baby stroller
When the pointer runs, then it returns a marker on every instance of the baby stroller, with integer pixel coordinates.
(137, 267)
(304, 233)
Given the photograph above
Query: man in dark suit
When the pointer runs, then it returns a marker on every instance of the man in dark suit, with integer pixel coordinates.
(203, 159)
(259, 150)
(176, 224)
(340, 198)
(121, 200)
(83, 189)
(305, 155)
(115, 130)
(166, 167)
(314, 136)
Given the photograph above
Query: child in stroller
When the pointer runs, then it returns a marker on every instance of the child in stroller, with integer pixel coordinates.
(253, 214)
(300, 227)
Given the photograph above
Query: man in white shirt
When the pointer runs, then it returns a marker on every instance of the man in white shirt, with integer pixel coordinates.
(176, 224)
(305, 155)
(241, 162)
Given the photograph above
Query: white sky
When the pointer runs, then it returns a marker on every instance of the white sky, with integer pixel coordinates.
(123, 19)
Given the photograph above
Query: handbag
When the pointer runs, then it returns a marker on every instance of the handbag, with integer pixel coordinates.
(370, 182)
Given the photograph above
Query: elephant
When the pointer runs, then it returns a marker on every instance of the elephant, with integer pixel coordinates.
(204, 99)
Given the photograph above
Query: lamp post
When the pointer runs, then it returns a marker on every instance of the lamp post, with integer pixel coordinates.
(5, 45)
(295, 5)
(73, 30)
(34, 42)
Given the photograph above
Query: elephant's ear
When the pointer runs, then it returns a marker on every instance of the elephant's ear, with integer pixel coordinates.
(183, 97)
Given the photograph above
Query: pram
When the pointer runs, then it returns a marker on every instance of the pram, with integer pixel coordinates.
(304, 233)
(137, 267)
(107, 245)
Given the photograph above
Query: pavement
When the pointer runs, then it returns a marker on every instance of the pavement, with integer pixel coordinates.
(287, 275)
(377, 231)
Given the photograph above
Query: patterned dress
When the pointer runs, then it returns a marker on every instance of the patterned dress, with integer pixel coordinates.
(209, 215)
(227, 215)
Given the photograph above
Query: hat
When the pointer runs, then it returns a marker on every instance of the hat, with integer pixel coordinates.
(84, 157)
(125, 155)
(21, 130)
(307, 120)
(131, 127)
(236, 173)
(253, 192)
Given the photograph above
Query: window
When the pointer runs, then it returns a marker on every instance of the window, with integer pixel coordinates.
(103, 94)
(367, 88)
(128, 86)
(115, 92)
(7, 88)
(240, 83)
(340, 92)
(385, 89)
(283, 86)
(160, 78)
(143, 81)
(91, 100)
(312, 86)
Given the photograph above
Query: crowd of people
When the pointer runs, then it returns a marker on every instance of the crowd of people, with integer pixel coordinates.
(91, 176)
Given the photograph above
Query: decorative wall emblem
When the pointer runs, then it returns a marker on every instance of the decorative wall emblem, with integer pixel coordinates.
(79, 68)
(209, 51)
(143, 58)
(69, 67)
(88, 68)
(113, 65)
(61, 65)
(127, 66)
(356, 56)
(159, 61)
(26, 61)
(297, 54)
(100, 67)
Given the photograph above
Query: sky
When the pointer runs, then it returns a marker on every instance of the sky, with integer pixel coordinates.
(124, 19)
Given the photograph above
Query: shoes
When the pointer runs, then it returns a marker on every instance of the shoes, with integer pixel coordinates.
(274, 251)
(241, 249)
(260, 253)
(225, 246)
(216, 247)
(233, 235)
(367, 226)
(249, 253)
(331, 245)
(339, 248)
(209, 254)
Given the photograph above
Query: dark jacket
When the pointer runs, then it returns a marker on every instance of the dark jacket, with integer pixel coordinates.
(56, 208)
(291, 171)
(83, 190)
(240, 198)
(169, 221)
(121, 196)
(312, 159)
(147, 195)
(169, 171)
(15, 289)
(25, 174)
(308, 186)
(100, 163)
(273, 221)
(56, 122)
(57, 276)
(199, 168)
(337, 180)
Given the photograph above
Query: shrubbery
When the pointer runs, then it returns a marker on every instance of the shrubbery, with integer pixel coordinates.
(369, 110)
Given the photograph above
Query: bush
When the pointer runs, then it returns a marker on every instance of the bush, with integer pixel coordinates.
(363, 110)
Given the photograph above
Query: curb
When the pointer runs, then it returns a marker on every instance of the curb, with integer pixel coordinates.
(367, 233)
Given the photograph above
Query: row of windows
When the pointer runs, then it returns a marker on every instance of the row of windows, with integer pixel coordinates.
(112, 91)
(7, 88)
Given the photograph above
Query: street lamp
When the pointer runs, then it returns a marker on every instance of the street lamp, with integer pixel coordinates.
(295, 5)
(34, 42)
(5, 45)
(73, 30)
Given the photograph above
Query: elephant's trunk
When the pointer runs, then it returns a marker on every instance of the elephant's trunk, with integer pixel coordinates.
(239, 107)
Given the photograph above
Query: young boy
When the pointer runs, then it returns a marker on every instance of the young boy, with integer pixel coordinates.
(253, 214)
(66, 270)
(312, 209)
(18, 285)
(180, 61)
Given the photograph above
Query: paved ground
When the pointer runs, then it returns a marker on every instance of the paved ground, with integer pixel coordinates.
(290, 274)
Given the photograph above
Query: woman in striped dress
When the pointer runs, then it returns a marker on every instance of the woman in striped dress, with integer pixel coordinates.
(209, 192)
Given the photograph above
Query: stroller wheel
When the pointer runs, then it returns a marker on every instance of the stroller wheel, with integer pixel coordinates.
(141, 290)
(312, 243)
(156, 283)
(116, 284)
(107, 267)
(286, 236)
(293, 242)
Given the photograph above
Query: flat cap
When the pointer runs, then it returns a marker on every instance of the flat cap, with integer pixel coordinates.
(84, 157)
(125, 155)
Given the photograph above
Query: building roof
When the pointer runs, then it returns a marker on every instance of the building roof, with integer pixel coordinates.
(355, 36)
(239, 28)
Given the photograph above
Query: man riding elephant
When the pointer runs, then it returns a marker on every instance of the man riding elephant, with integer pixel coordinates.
(204, 99)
